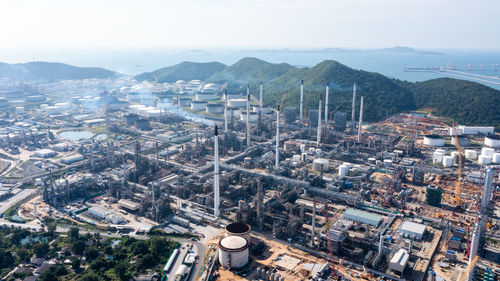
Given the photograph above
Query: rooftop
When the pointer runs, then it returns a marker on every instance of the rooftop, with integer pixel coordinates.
(413, 227)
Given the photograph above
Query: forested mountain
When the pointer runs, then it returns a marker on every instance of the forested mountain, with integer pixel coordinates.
(183, 71)
(463, 101)
(51, 71)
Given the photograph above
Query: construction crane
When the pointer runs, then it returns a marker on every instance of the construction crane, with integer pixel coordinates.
(329, 239)
(458, 197)
(470, 269)
(390, 190)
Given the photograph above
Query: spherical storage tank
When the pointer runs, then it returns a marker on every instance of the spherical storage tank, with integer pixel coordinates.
(320, 164)
(215, 108)
(492, 141)
(233, 252)
(238, 229)
(433, 140)
(198, 105)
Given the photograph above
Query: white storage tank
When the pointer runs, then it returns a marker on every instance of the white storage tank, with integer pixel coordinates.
(215, 108)
(372, 160)
(455, 155)
(233, 252)
(470, 154)
(254, 116)
(238, 229)
(206, 96)
(237, 102)
(343, 169)
(492, 141)
(437, 157)
(198, 105)
(433, 140)
(462, 140)
(320, 164)
(447, 161)
(302, 148)
(387, 163)
(496, 158)
(19, 109)
(303, 157)
(484, 160)
(184, 102)
(487, 151)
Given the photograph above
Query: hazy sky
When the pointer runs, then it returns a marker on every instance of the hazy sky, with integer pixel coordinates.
(430, 24)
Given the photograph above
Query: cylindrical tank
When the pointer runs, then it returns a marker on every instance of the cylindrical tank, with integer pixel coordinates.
(320, 164)
(492, 141)
(184, 102)
(238, 229)
(372, 160)
(437, 157)
(206, 96)
(198, 105)
(484, 160)
(303, 157)
(433, 140)
(302, 148)
(318, 152)
(254, 116)
(447, 161)
(454, 154)
(343, 169)
(487, 151)
(387, 163)
(496, 158)
(470, 154)
(233, 252)
(215, 108)
(237, 102)
(462, 140)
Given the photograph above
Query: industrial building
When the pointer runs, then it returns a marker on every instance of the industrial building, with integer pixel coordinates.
(362, 217)
(412, 230)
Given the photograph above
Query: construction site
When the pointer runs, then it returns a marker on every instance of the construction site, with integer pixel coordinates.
(301, 195)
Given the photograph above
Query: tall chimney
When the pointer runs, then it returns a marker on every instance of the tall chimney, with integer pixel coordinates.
(216, 173)
(326, 106)
(248, 116)
(353, 113)
(313, 224)
(318, 137)
(360, 119)
(225, 111)
(473, 248)
(260, 107)
(277, 162)
(485, 200)
(301, 110)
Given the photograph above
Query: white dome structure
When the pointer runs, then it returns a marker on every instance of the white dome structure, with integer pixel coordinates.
(233, 252)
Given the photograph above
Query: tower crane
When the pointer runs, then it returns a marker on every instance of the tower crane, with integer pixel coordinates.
(458, 198)
(329, 239)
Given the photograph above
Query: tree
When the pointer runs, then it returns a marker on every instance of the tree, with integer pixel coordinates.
(121, 271)
(75, 264)
(78, 247)
(89, 276)
(91, 253)
(41, 249)
(48, 275)
(74, 233)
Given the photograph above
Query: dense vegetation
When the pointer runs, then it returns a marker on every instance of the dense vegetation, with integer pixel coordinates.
(463, 101)
(183, 71)
(92, 257)
(249, 70)
(49, 71)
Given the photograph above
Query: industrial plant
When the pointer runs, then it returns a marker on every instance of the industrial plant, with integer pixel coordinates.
(255, 191)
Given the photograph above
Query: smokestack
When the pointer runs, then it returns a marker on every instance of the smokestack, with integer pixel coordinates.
(225, 111)
(381, 245)
(318, 138)
(473, 248)
(353, 113)
(248, 116)
(326, 106)
(216, 173)
(277, 162)
(157, 153)
(301, 110)
(485, 200)
(360, 119)
(313, 223)
(260, 107)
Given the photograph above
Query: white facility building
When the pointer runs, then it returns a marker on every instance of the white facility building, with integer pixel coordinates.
(412, 230)
(399, 260)
(362, 217)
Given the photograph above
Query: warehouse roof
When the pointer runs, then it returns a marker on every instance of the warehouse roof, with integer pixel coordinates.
(413, 227)
(401, 257)
(363, 214)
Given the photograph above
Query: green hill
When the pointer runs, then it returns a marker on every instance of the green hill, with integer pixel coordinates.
(50, 71)
(183, 71)
(463, 101)
(382, 96)
(249, 70)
